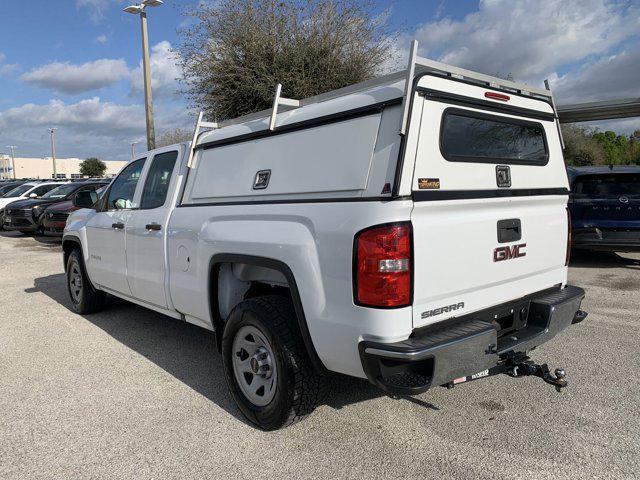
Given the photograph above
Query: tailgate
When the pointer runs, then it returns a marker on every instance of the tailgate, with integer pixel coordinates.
(490, 196)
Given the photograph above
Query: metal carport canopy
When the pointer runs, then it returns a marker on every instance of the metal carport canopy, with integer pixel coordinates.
(603, 110)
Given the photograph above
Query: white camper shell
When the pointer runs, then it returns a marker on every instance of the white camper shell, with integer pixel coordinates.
(411, 230)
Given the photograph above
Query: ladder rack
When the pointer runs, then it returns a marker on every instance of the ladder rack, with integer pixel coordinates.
(415, 65)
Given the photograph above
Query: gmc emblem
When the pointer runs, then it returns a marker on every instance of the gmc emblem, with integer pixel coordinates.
(509, 252)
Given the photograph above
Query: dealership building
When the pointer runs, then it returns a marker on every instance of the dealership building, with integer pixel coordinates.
(43, 167)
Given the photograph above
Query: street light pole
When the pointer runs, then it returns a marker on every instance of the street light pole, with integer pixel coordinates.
(13, 159)
(148, 101)
(53, 151)
(133, 150)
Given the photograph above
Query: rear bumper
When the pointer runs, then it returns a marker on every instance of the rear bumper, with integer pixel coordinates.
(438, 354)
(607, 239)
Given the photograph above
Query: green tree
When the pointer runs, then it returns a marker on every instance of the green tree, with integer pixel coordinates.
(238, 50)
(93, 167)
(614, 145)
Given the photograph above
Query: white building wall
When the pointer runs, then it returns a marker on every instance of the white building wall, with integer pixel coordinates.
(43, 167)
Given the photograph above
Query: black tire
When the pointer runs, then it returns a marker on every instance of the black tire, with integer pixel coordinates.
(40, 230)
(298, 386)
(84, 299)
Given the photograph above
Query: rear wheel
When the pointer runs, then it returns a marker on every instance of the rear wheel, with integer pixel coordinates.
(84, 298)
(266, 365)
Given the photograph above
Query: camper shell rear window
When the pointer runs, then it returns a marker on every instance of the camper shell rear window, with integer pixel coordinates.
(469, 136)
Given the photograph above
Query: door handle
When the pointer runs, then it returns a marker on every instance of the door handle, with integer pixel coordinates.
(509, 230)
(153, 227)
(117, 226)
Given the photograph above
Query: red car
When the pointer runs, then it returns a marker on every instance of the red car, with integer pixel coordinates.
(55, 216)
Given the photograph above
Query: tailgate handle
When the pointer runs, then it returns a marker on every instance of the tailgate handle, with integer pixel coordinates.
(509, 230)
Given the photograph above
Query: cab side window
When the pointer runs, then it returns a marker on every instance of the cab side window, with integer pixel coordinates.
(124, 187)
(156, 185)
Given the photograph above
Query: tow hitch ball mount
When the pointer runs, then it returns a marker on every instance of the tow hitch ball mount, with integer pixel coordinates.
(526, 367)
(519, 366)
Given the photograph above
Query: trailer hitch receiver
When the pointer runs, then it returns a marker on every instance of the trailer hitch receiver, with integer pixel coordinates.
(527, 367)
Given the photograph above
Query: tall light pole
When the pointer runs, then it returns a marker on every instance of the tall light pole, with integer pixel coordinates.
(148, 102)
(52, 131)
(133, 150)
(13, 159)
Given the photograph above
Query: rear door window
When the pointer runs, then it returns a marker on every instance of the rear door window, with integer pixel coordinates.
(607, 185)
(468, 136)
(156, 185)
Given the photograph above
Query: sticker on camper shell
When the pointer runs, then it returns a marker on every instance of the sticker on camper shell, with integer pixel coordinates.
(428, 183)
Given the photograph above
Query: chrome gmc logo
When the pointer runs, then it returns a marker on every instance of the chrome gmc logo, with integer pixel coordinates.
(509, 252)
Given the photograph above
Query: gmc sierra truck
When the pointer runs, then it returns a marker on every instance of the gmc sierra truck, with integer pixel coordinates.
(411, 230)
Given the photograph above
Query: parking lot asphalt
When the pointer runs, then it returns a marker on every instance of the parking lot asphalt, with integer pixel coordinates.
(129, 393)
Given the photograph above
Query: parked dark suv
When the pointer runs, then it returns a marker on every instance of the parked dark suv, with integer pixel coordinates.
(27, 215)
(605, 207)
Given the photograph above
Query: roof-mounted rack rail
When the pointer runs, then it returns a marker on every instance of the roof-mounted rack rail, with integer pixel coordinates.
(415, 65)
(419, 64)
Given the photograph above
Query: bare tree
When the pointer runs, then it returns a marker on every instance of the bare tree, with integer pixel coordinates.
(580, 146)
(238, 50)
(169, 137)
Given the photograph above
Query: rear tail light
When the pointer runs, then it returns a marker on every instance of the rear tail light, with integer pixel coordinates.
(568, 257)
(382, 266)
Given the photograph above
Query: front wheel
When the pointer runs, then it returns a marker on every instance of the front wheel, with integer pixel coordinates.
(84, 298)
(266, 365)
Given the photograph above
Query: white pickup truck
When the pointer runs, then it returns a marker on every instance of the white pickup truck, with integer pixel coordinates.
(411, 230)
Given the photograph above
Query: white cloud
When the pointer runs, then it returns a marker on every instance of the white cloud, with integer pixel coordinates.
(7, 68)
(624, 126)
(96, 8)
(88, 116)
(85, 128)
(610, 77)
(165, 70)
(102, 39)
(72, 79)
(529, 39)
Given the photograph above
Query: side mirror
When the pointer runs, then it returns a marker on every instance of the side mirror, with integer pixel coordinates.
(85, 199)
(33, 195)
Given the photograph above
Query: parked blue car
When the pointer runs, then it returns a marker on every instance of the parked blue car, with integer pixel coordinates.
(605, 207)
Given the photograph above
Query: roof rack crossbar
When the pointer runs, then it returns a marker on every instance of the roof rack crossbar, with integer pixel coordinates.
(280, 100)
(432, 65)
(421, 64)
(200, 124)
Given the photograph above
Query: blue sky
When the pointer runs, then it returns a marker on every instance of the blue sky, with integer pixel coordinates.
(74, 64)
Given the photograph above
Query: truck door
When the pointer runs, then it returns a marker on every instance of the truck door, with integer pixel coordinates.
(106, 242)
(145, 231)
(490, 193)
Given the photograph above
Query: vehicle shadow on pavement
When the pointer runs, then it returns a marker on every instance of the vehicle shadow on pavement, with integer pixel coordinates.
(188, 352)
(595, 259)
(41, 239)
